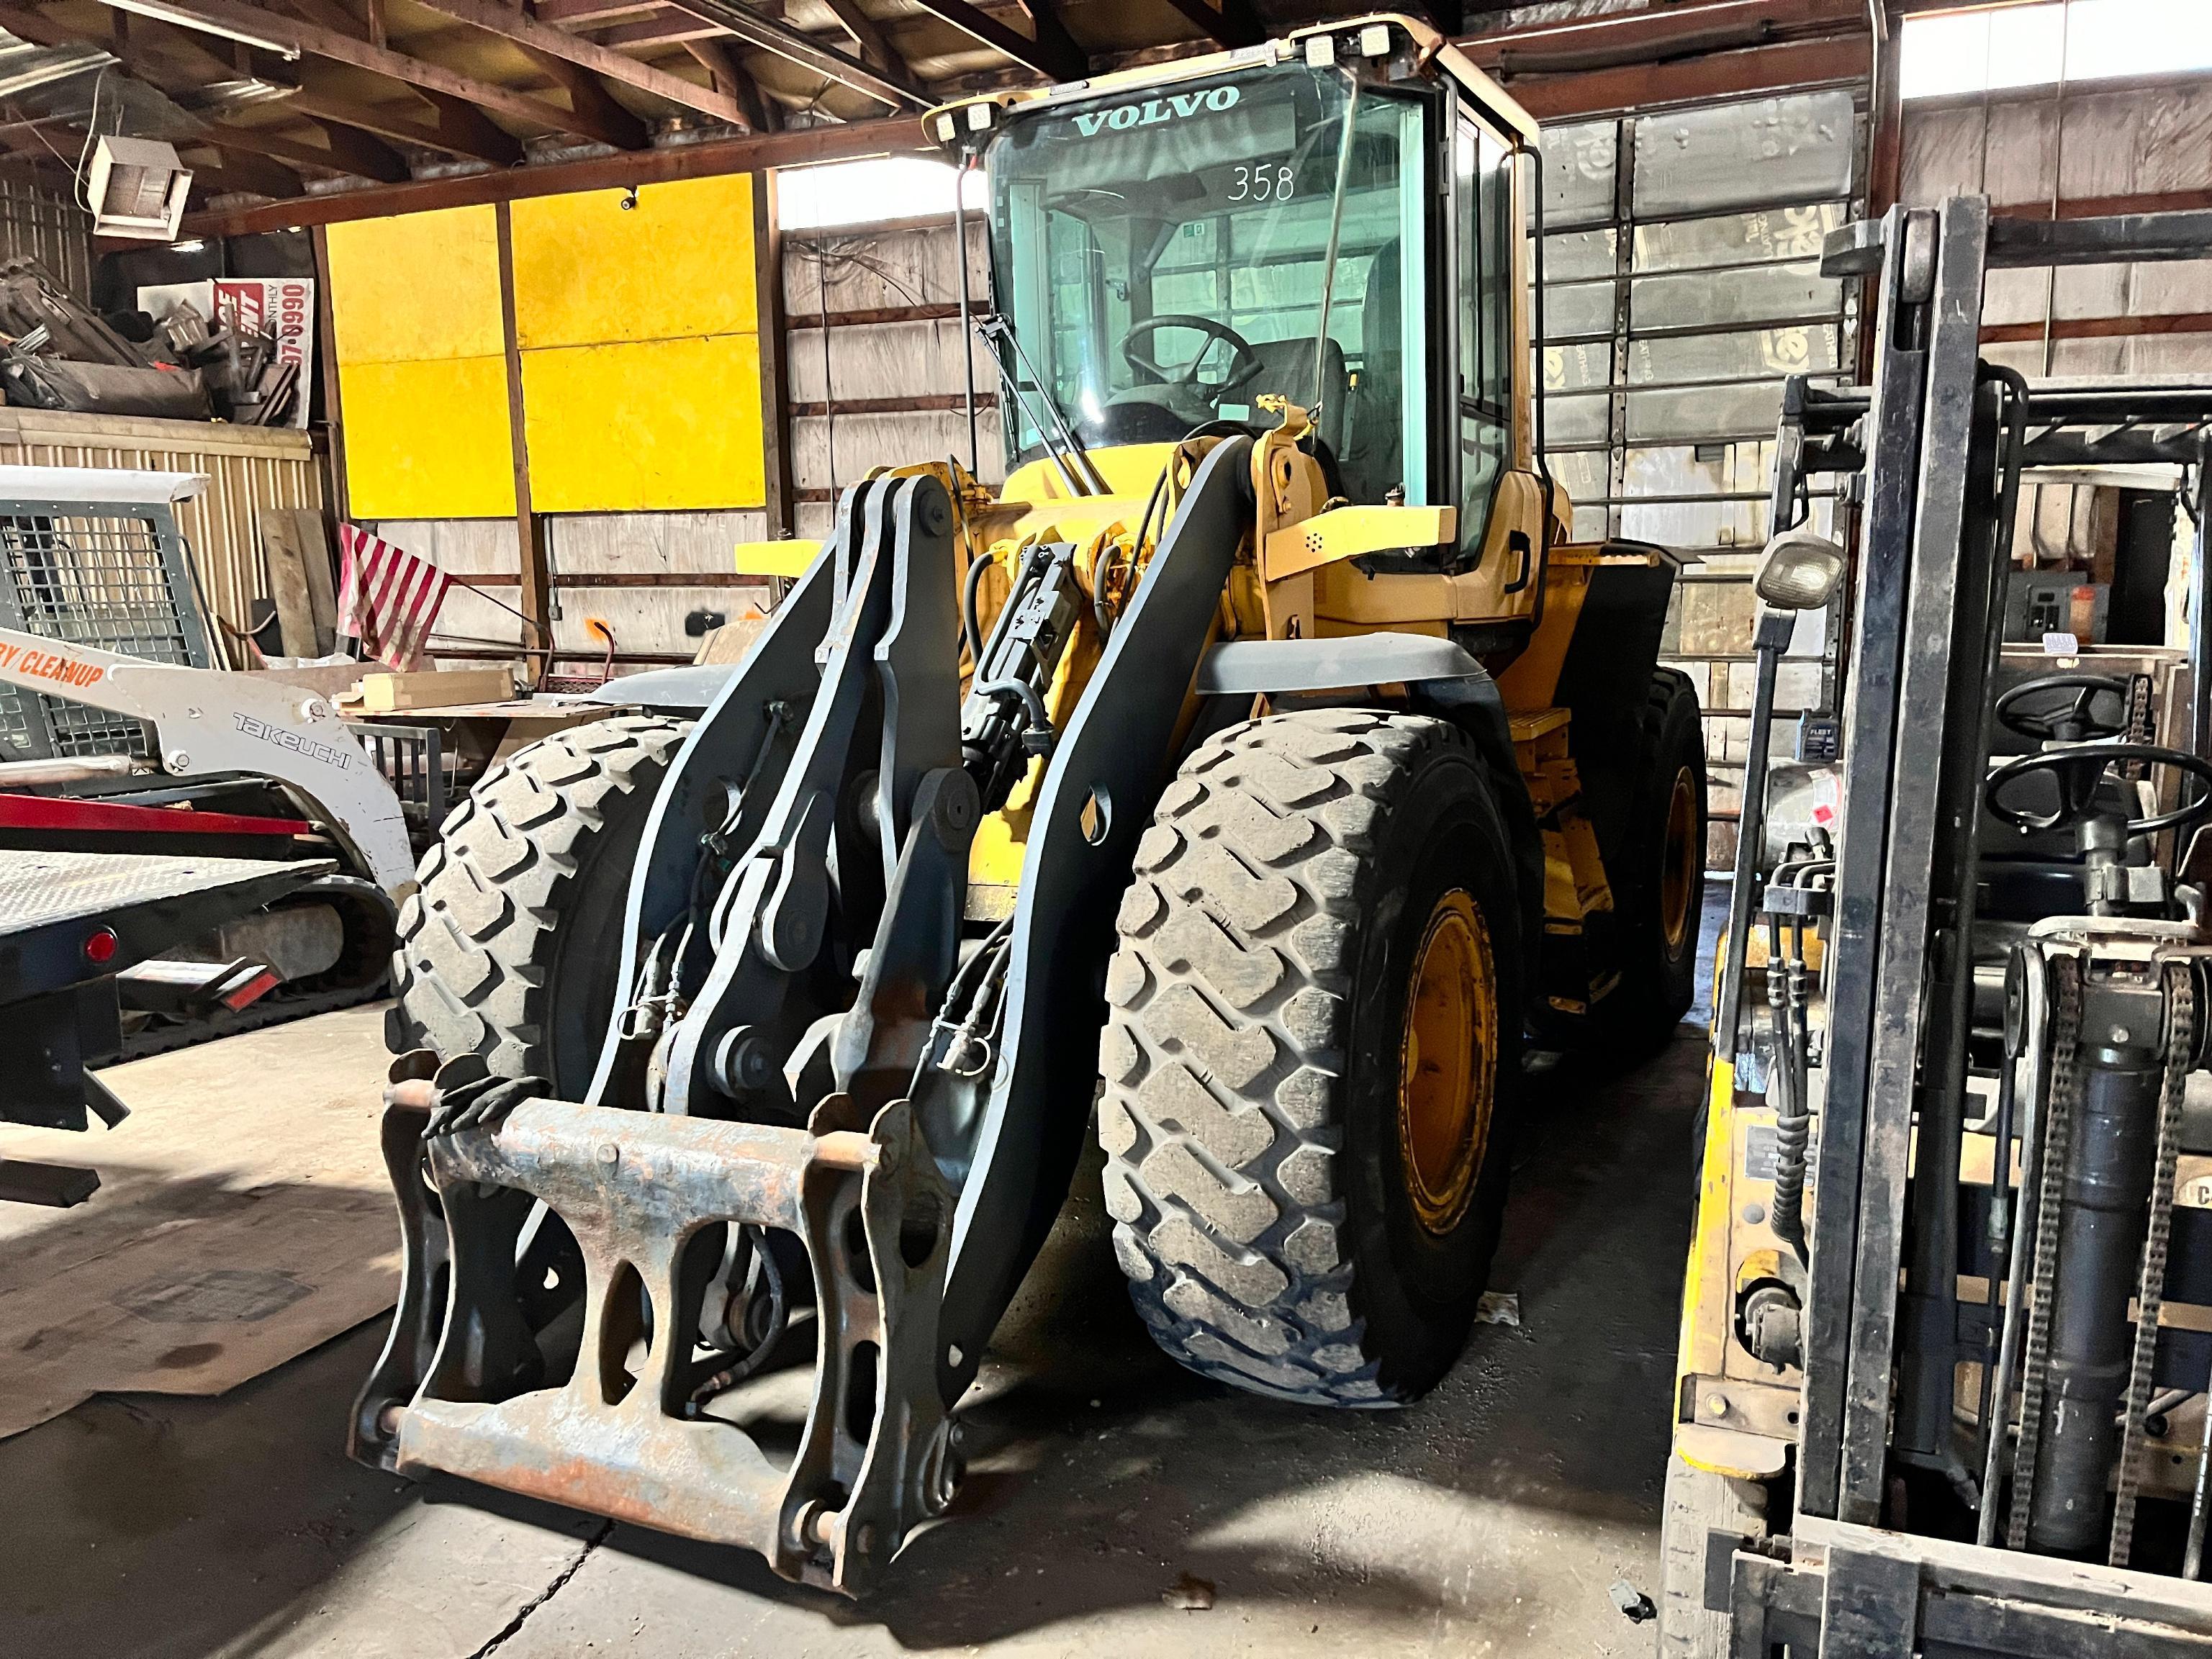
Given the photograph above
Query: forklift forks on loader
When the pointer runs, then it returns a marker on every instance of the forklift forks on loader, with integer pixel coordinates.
(1193, 784)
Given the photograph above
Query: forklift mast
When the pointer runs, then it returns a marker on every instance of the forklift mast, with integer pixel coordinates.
(1961, 1357)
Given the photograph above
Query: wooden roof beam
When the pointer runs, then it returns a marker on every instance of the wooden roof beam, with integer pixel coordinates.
(351, 152)
(457, 127)
(672, 27)
(611, 123)
(528, 32)
(361, 153)
(1230, 23)
(389, 166)
(867, 40)
(574, 14)
(247, 172)
(1056, 60)
(720, 62)
(889, 85)
(313, 40)
(793, 147)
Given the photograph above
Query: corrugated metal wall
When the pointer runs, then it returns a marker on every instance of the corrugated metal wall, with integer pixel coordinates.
(248, 468)
(1680, 285)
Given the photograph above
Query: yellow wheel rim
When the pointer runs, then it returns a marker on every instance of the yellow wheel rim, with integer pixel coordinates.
(1447, 1061)
(1679, 864)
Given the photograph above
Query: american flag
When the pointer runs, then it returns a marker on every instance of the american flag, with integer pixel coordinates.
(387, 599)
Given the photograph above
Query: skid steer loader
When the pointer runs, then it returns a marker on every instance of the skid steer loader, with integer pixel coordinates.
(1248, 776)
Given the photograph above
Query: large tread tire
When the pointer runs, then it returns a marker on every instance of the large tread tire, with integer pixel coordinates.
(1699, 1503)
(1251, 1054)
(1658, 974)
(508, 950)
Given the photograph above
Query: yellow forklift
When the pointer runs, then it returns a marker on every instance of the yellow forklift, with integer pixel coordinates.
(1947, 1334)
(1250, 776)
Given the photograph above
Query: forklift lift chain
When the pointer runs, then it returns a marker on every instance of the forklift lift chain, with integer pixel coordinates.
(2057, 1146)
(2180, 1052)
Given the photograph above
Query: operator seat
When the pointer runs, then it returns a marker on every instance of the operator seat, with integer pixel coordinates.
(1375, 458)
(1287, 367)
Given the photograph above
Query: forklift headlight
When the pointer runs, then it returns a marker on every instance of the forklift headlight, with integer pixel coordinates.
(1799, 571)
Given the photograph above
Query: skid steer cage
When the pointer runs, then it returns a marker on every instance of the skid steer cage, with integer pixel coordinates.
(874, 1457)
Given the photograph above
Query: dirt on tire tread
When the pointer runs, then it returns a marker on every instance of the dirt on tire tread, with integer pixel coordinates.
(1229, 1000)
(474, 940)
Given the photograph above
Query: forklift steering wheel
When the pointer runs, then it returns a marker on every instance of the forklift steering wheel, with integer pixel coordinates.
(2074, 723)
(1243, 364)
(2080, 769)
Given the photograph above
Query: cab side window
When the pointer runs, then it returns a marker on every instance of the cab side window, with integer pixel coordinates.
(1483, 193)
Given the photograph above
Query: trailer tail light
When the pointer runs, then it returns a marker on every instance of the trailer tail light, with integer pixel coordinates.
(100, 945)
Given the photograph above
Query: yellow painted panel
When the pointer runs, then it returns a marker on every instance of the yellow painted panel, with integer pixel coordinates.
(428, 439)
(658, 425)
(785, 559)
(589, 271)
(418, 286)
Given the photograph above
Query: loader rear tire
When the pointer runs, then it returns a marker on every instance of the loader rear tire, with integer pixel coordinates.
(1658, 877)
(1306, 1202)
(509, 949)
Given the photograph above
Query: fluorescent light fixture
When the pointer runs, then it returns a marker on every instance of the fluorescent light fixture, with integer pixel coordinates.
(136, 188)
(185, 17)
(835, 193)
(68, 63)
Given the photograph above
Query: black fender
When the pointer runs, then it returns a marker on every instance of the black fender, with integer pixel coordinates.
(1442, 679)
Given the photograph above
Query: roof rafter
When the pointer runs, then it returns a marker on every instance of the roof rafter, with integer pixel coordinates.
(527, 32)
(314, 40)
(364, 158)
(1054, 59)
(349, 151)
(612, 123)
(1231, 23)
(671, 28)
(457, 127)
(867, 40)
(889, 85)
(718, 61)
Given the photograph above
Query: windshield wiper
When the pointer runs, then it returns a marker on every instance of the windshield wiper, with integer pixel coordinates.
(994, 330)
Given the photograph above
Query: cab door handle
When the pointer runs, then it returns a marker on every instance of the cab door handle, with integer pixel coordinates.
(1518, 542)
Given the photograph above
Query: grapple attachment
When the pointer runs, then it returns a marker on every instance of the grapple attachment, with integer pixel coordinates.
(641, 1193)
(827, 1095)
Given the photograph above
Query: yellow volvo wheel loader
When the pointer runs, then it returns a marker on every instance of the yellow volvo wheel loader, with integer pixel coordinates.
(1244, 781)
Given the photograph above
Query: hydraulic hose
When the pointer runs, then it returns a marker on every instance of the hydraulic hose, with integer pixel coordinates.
(1793, 1118)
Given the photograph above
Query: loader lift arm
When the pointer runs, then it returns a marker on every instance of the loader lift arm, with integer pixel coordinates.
(921, 1193)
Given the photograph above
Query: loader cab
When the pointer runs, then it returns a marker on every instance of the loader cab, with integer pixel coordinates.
(1335, 218)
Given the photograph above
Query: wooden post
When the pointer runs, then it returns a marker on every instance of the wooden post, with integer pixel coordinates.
(536, 596)
(776, 389)
(326, 362)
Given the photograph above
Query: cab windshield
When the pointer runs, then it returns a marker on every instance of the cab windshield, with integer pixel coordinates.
(1162, 259)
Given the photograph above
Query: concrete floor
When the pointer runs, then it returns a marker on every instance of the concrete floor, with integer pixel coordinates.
(1491, 1519)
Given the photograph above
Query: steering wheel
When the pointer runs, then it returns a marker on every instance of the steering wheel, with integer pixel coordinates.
(2081, 768)
(2072, 723)
(1243, 364)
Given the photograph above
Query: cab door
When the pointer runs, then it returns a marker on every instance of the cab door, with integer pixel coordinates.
(1500, 498)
